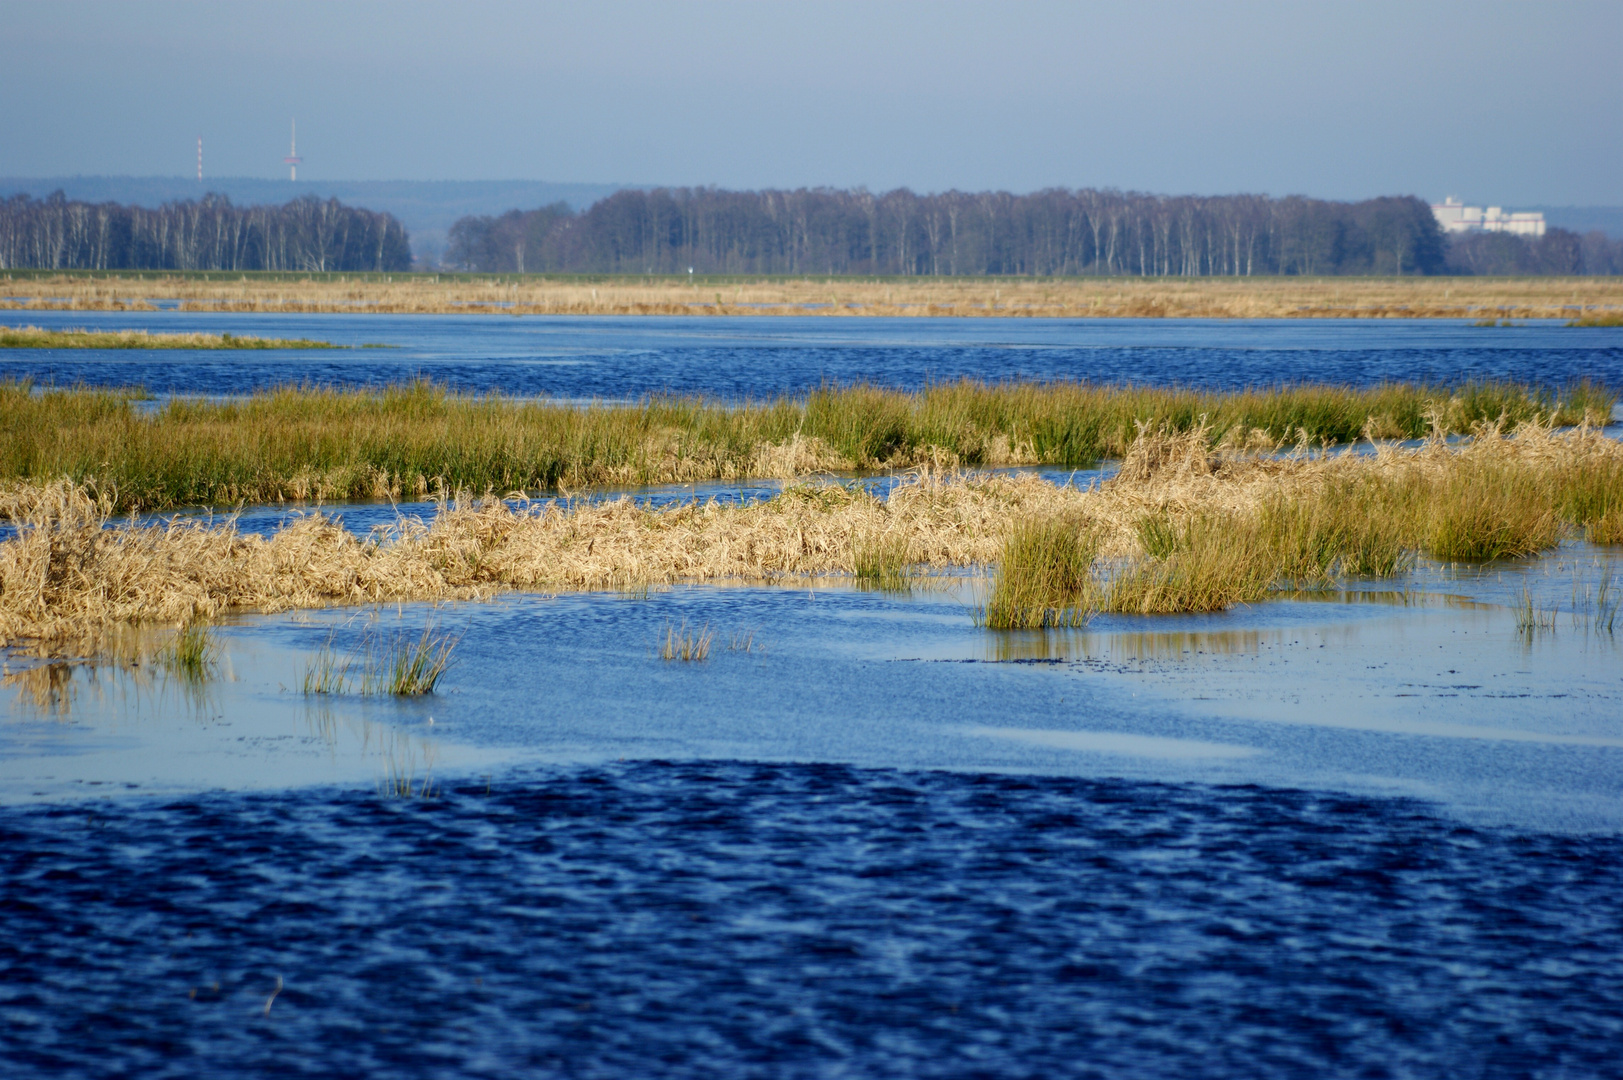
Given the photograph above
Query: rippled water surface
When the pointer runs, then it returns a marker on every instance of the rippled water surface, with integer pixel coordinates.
(1373, 831)
(729, 919)
(754, 357)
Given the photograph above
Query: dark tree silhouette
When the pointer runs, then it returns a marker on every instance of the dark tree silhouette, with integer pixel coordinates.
(207, 234)
(1057, 231)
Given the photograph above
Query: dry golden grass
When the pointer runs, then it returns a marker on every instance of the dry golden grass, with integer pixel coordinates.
(1592, 299)
(686, 645)
(1236, 525)
(34, 337)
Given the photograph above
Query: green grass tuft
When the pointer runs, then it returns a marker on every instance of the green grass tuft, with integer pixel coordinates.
(191, 654)
(404, 664)
(1043, 577)
(881, 562)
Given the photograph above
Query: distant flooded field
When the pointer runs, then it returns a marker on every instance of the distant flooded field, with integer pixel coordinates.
(834, 820)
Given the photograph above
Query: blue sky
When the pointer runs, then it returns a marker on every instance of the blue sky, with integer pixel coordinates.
(1498, 102)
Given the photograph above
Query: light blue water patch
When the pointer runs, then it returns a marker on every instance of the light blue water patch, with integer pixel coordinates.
(1432, 695)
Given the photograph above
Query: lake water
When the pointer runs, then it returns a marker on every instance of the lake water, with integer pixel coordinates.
(613, 358)
(1377, 831)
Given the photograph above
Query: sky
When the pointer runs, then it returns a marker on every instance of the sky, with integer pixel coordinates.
(1504, 103)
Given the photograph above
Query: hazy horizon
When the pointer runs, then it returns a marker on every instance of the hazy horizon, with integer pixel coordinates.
(1498, 103)
(182, 179)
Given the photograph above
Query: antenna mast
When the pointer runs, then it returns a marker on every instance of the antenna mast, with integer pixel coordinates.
(293, 160)
(200, 159)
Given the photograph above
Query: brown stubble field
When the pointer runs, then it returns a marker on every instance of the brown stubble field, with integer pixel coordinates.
(1221, 298)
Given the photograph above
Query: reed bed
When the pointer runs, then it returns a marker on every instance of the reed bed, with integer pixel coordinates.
(1582, 298)
(306, 444)
(1187, 526)
(34, 337)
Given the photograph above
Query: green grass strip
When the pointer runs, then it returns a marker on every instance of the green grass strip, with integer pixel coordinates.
(305, 443)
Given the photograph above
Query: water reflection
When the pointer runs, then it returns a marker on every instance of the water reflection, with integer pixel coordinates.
(130, 723)
(1149, 637)
(43, 689)
(1116, 742)
(404, 761)
(131, 676)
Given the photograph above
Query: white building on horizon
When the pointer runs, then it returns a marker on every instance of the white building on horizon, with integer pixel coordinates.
(1455, 217)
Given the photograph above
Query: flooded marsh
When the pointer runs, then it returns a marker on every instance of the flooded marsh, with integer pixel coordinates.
(737, 778)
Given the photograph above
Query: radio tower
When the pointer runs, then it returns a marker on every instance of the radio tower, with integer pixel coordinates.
(293, 160)
(200, 159)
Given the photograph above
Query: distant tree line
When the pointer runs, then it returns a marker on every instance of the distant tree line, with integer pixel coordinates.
(818, 231)
(204, 234)
(1558, 251)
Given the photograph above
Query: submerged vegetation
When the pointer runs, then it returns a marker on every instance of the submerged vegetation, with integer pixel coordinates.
(307, 444)
(684, 644)
(1189, 524)
(191, 654)
(34, 337)
(400, 664)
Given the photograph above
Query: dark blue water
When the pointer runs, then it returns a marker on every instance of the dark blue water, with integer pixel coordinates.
(721, 919)
(744, 357)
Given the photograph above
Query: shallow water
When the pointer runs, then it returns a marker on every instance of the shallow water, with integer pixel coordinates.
(1371, 831)
(618, 358)
(1432, 692)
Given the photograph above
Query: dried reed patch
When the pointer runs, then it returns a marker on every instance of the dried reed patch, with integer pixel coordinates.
(34, 337)
(882, 561)
(1596, 298)
(687, 645)
(1229, 527)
